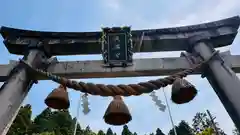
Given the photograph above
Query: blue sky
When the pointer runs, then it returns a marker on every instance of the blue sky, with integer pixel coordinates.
(86, 15)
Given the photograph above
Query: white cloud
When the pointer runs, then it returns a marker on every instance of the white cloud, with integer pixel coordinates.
(112, 4)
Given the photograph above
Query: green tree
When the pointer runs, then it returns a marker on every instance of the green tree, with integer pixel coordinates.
(47, 122)
(88, 131)
(78, 130)
(109, 131)
(159, 132)
(236, 131)
(126, 131)
(45, 133)
(100, 132)
(62, 122)
(184, 128)
(134, 133)
(42, 122)
(201, 122)
(207, 131)
(22, 121)
(171, 132)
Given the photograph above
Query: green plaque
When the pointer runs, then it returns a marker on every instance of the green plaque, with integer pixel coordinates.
(117, 45)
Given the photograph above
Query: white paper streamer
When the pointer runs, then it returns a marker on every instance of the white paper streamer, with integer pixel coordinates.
(157, 101)
(85, 104)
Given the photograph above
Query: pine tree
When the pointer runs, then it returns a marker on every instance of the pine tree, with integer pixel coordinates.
(22, 121)
(62, 122)
(100, 132)
(42, 122)
(88, 131)
(171, 132)
(126, 131)
(78, 130)
(159, 132)
(109, 131)
(184, 128)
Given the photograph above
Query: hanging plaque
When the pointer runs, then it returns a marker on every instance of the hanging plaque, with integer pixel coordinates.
(117, 46)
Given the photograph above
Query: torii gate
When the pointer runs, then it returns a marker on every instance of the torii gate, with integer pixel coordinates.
(199, 41)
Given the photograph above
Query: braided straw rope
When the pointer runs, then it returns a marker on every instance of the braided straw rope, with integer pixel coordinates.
(121, 89)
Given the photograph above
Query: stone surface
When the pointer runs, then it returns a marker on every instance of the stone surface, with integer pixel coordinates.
(141, 67)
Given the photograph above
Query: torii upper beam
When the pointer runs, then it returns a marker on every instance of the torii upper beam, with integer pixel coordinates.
(220, 32)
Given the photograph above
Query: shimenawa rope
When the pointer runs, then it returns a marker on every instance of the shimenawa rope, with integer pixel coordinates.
(121, 89)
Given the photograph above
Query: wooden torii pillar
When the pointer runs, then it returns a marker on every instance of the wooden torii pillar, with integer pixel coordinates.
(200, 40)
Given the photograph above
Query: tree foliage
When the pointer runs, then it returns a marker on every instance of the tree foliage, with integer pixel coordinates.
(236, 131)
(42, 122)
(48, 122)
(45, 133)
(109, 131)
(159, 132)
(126, 131)
(100, 132)
(60, 122)
(22, 121)
(202, 124)
(207, 131)
(183, 128)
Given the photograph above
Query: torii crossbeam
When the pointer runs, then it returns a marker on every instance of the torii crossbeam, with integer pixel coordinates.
(198, 40)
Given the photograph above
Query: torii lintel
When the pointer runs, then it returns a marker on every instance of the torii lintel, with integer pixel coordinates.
(221, 33)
